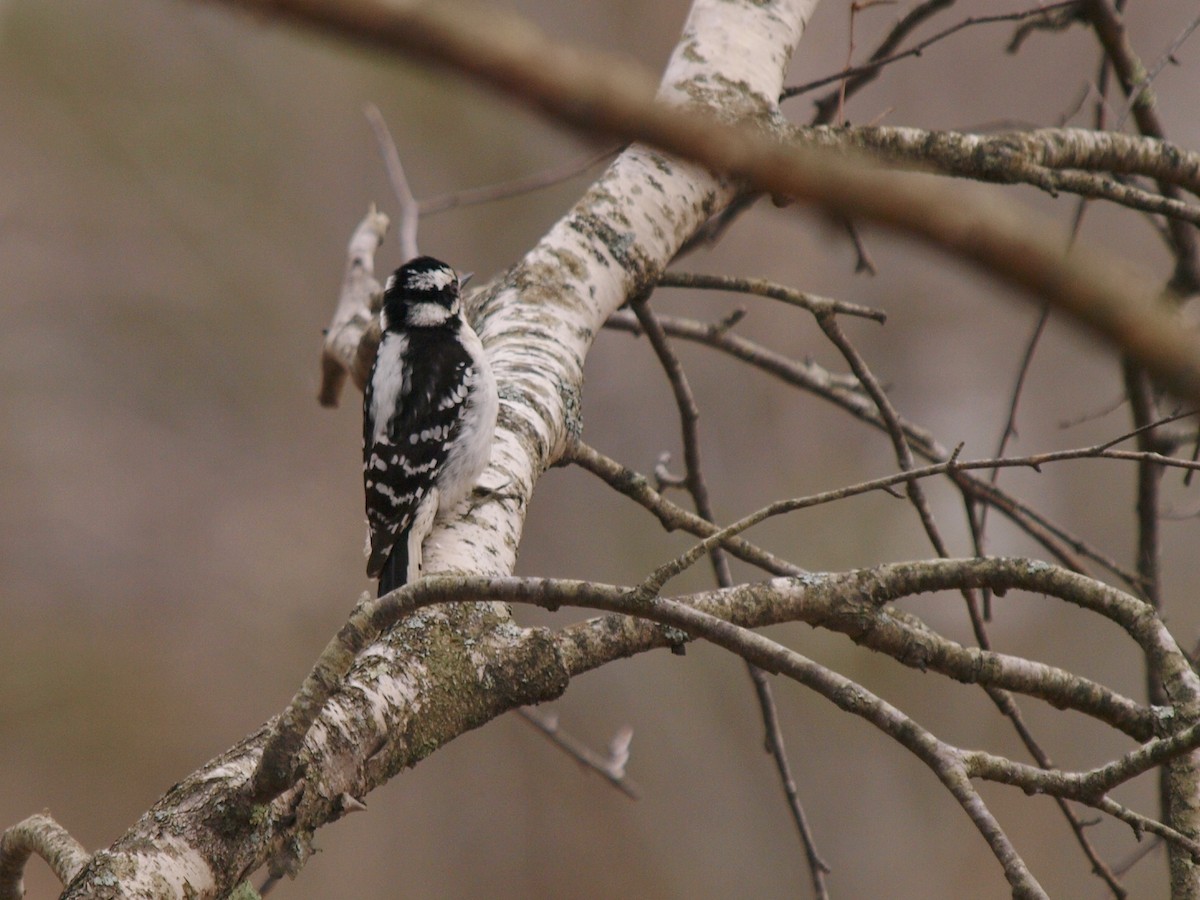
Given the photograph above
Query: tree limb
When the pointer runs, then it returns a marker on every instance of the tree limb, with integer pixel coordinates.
(41, 835)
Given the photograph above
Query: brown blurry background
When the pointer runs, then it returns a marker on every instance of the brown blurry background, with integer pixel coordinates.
(181, 524)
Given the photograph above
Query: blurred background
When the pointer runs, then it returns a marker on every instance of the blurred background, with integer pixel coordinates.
(181, 524)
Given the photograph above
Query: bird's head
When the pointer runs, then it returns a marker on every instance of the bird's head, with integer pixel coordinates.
(422, 293)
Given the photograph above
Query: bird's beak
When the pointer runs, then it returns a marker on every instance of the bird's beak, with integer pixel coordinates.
(464, 278)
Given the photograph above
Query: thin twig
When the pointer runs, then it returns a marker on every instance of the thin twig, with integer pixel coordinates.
(1187, 476)
(516, 186)
(664, 573)
(689, 417)
(1167, 56)
(978, 521)
(762, 287)
(410, 212)
(1151, 424)
(1063, 545)
(851, 81)
(40, 835)
(1110, 31)
(610, 767)
(1010, 421)
(1074, 108)
(637, 487)
(858, 76)
(862, 256)
(1061, 19)
(904, 457)
(1138, 855)
(774, 745)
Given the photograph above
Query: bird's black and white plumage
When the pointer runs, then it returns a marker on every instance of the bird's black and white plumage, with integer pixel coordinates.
(429, 414)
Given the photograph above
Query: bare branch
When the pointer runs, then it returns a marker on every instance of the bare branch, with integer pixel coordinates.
(1000, 574)
(764, 288)
(410, 212)
(672, 568)
(1052, 159)
(1091, 787)
(878, 586)
(895, 430)
(516, 187)
(354, 315)
(689, 417)
(773, 741)
(610, 767)
(944, 760)
(1110, 31)
(1167, 56)
(857, 77)
(38, 834)
(637, 488)
(848, 610)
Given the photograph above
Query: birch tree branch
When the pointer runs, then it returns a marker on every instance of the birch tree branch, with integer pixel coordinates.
(849, 603)
(42, 836)
(448, 670)
(1075, 160)
(353, 316)
(722, 617)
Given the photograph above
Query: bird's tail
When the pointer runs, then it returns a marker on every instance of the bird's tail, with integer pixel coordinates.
(395, 570)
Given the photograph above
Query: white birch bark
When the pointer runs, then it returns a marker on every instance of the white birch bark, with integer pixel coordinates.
(539, 319)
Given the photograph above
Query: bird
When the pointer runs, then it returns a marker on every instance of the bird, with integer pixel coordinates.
(429, 416)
